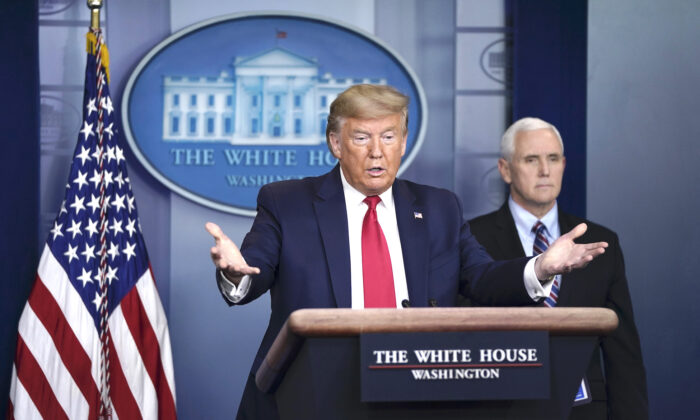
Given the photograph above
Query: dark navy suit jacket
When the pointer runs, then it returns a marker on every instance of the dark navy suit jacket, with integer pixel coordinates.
(299, 240)
(622, 392)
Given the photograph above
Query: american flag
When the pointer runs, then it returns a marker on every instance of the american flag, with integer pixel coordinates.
(93, 339)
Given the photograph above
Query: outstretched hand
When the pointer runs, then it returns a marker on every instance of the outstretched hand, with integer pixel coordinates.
(564, 255)
(226, 255)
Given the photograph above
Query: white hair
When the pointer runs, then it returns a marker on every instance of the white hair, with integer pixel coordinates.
(524, 124)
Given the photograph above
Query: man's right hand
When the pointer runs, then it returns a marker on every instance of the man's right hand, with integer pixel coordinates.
(227, 257)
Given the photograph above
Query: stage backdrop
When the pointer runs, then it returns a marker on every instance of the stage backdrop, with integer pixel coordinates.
(641, 176)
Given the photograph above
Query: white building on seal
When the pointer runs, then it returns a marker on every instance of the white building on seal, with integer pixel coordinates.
(275, 97)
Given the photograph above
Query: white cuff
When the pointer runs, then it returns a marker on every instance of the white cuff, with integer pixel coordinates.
(232, 293)
(535, 289)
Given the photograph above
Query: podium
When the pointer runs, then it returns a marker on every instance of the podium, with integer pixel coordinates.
(313, 366)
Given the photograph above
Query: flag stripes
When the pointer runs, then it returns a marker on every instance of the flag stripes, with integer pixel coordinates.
(93, 339)
(38, 390)
(147, 344)
(74, 357)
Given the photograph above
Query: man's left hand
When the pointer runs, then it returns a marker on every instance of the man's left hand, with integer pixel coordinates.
(564, 255)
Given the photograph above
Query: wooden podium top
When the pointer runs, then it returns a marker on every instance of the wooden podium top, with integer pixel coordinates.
(353, 322)
(349, 322)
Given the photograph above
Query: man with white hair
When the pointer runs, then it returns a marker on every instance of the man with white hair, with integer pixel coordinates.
(532, 162)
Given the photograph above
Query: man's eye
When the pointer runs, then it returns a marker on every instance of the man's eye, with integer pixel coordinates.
(388, 139)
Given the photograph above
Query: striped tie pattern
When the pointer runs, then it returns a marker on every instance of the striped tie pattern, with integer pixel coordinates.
(539, 246)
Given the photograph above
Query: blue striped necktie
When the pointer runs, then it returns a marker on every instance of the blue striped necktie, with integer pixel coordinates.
(539, 246)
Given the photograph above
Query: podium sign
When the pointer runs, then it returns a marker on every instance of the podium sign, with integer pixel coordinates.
(454, 366)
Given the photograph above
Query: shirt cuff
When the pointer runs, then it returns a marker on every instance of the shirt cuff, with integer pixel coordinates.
(535, 289)
(232, 293)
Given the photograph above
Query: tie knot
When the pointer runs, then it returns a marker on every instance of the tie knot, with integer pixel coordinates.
(372, 201)
(539, 228)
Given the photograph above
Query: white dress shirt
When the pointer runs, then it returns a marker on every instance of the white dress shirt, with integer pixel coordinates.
(386, 215)
(524, 221)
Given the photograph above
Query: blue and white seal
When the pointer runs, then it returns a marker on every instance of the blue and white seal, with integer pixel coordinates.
(221, 108)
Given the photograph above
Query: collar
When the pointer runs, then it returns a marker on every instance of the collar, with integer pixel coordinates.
(355, 198)
(524, 220)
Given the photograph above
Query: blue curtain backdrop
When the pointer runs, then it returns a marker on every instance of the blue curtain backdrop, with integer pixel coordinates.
(19, 171)
(549, 80)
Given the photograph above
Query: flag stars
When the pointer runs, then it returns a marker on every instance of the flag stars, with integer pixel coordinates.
(88, 253)
(116, 227)
(96, 178)
(119, 153)
(85, 276)
(71, 253)
(84, 155)
(97, 301)
(113, 250)
(111, 274)
(130, 201)
(56, 231)
(108, 178)
(80, 179)
(110, 154)
(78, 204)
(119, 201)
(96, 154)
(107, 105)
(63, 208)
(87, 130)
(94, 203)
(109, 132)
(130, 227)
(119, 180)
(91, 106)
(98, 275)
(129, 251)
(92, 227)
(74, 228)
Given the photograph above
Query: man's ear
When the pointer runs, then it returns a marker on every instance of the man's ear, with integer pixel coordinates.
(504, 169)
(335, 144)
(403, 144)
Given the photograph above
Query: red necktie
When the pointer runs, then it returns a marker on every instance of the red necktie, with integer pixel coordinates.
(378, 278)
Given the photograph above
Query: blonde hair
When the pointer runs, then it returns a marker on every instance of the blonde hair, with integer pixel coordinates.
(366, 102)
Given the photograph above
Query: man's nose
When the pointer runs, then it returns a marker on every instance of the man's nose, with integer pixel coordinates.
(375, 149)
(544, 168)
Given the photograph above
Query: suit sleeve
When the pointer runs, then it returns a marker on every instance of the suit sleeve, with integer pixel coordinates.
(261, 247)
(626, 384)
(488, 282)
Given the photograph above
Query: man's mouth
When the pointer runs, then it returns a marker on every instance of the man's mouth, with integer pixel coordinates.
(376, 171)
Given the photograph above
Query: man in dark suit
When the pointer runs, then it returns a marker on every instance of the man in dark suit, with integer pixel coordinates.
(532, 162)
(358, 237)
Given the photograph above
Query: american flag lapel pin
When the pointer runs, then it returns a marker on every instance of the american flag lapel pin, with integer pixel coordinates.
(417, 215)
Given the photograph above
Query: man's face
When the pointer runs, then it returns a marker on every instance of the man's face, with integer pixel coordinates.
(370, 151)
(535, 171)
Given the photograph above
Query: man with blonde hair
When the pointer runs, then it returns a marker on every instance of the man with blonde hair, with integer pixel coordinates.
(358, 237)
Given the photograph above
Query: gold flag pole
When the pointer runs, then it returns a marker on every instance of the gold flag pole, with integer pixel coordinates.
(95, 6)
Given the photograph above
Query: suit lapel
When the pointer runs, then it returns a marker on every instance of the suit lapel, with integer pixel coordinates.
(507, 234)
(331, 214)
(414, 242)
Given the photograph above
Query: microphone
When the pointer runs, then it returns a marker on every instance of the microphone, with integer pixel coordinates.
(432, 303)
(405, 303)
